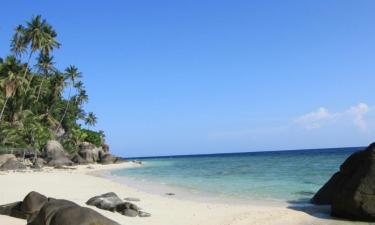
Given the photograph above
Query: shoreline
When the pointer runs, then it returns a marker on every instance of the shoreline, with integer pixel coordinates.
(82, 183)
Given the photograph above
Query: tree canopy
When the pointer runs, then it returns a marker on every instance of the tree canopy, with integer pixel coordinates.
(34, 106)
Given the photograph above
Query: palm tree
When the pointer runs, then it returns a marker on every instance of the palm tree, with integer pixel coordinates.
(9, 79)
(91, 119)
(8, 84)
(45, 65)
(72, 74)
(18, 44)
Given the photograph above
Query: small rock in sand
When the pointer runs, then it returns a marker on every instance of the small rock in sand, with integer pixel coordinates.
(132, 199)
(170, 194)
(143, 214)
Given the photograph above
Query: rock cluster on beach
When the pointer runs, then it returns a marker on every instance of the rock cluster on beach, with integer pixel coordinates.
(54, 155)
(351, 191)
(111, 202)
(37, 209)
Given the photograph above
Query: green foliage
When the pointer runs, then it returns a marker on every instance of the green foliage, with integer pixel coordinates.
(93, 137)
(32, 102)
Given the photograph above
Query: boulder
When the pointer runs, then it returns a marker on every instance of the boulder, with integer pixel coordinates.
(32, 203)
(108, 201)
(105, 148)
(40, 210)
(6, 157)
(111, 202)
(55, 154)
(13, 164)
(109, 159)
(77, 159)
(127, 209)
(351, 191)
(39, 163)
(63, 212)
(13, 210)
(90, 152)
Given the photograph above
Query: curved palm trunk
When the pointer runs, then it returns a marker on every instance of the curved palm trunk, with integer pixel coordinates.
(66, 108)
(2, 110)
(40, 88)
(27, 64)
(24, 78)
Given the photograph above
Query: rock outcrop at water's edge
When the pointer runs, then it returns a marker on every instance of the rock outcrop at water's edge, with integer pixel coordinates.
(54, 155)
(351, 191)
(37, 209)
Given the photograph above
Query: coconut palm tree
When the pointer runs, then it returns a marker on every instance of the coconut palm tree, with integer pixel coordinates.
(91, 119)
(45, 66)
(72, 74)
(9, 79)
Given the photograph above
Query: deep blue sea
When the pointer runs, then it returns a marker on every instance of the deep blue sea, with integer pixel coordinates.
(278, 175)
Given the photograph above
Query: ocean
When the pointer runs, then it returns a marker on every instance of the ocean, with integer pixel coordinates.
(278, 175)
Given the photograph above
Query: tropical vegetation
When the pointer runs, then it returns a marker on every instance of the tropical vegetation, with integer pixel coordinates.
(39, 102)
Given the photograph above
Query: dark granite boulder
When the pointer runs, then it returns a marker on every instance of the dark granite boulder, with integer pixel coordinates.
(351, 191)
(63, 212)
(127, 209)
(33, 202)
(13, 164)
(38, 210)
(108, 201)
(13, 210)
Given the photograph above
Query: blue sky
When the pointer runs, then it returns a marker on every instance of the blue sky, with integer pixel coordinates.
(205, 76)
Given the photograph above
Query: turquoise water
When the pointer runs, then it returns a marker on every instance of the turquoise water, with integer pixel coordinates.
(283, 175)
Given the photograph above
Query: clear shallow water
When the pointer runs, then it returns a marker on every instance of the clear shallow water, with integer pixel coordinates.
(284, 175)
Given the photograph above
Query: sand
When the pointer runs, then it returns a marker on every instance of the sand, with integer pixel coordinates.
(80, 184)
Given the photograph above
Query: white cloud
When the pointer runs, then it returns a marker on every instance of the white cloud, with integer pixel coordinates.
(314, 120)
(358, 113)
(320, 117)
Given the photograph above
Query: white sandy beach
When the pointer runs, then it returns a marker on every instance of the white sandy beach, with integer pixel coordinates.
(78, 186)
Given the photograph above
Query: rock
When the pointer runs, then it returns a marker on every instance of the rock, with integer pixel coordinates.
(13, 210)
(351, 191)
(61, 162)
(170, 194)
(129, 212)
(6, 157)
(137, 162)
(90, 152)
(38, 210)
(39, 163)
(56, 155)
(63, 212)
(32, 203)
(144, 214)
(27, 162)
(132, 199)
(13, 164)
(105, 148)
(77, 159)
(111, 202)
(108, 201)
(109, 159)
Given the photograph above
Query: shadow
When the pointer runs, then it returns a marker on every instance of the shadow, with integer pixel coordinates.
(317, 211)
